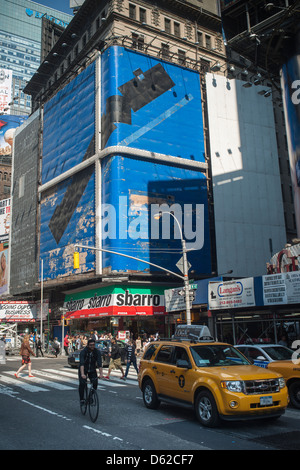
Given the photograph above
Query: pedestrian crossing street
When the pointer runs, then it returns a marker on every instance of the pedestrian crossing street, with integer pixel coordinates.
(62, 378)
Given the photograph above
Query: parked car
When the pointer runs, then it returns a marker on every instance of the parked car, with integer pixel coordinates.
(278, 358)
(262, 354)
(103, 345)
(213, 378)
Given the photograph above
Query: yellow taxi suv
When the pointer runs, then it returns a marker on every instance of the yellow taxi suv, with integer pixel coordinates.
(214, 378)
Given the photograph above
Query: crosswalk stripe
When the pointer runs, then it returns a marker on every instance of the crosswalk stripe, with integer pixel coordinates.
(106, 382)
(21, 384)
(62, 379)
(38, 380)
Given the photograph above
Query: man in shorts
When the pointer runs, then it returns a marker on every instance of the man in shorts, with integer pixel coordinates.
(115, 359)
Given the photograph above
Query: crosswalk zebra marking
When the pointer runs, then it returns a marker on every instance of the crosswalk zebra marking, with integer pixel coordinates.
(60, 379)
(105, 382)
(21, 384)
(38, 380)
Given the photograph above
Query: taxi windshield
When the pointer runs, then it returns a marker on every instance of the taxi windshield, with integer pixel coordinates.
(217, 355)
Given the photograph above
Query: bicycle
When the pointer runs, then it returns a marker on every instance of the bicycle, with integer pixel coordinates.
(91, 401)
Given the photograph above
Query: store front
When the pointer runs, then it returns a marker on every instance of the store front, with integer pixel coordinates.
(256, 310)
(114, 308)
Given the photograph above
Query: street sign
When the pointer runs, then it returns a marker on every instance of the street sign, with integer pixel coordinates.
(175, 299)
(179, 265)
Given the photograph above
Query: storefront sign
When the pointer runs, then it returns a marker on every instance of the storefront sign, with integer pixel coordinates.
(113, 301)
(231, 294)
(22, 311)
(282, 288)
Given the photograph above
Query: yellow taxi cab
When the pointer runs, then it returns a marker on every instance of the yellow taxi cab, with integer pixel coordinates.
(214, 378)
(280, 359)
(290, 371)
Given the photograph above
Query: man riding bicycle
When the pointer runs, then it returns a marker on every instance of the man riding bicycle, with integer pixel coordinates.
(90, 359)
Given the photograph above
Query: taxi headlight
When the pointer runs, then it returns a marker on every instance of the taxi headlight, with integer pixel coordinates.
(281, 382)
(233, 385)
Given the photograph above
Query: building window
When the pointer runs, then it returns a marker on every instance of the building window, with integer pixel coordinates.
(208, 41)
(167, 25)
(143, 16)
(132, 11)
(181, 57)
(21, 186)
(200, 38)
(176, 29)
(165, 51)
(138, 42)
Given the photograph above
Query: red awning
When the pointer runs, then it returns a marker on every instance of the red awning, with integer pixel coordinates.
(115, 311)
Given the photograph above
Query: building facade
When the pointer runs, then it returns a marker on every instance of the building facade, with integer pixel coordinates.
(134, 108)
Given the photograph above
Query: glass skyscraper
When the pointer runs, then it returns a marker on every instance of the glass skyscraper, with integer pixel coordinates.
(20, 44)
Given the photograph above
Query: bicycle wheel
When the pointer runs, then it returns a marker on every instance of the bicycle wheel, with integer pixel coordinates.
(93, 405)
(83, 406)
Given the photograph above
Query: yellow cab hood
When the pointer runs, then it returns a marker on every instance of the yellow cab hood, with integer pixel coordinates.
(285, 368)
(242, 372)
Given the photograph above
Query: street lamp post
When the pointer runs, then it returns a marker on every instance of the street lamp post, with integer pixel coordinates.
(185, 266)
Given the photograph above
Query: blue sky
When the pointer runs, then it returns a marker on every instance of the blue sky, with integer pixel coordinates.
(60, 5)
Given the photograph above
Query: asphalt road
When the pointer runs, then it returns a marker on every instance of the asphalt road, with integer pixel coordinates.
(42, 413)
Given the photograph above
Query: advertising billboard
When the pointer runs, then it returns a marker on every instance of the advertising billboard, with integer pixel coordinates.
(146, 106)
(149, 105)
(8, 125)
(67, 210)
(290, 80)
(5, 90)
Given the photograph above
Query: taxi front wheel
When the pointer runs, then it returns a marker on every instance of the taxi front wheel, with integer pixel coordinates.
(294, 393)
(206, 409)
(150, 395)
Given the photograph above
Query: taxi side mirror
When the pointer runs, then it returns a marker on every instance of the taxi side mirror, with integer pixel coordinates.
(183, 364)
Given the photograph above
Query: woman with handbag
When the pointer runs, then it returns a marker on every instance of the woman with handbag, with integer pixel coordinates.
(25, 352)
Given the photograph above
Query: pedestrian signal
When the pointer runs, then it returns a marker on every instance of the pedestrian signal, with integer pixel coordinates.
(76, 260)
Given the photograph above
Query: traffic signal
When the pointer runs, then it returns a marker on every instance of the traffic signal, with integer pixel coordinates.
(76, 260)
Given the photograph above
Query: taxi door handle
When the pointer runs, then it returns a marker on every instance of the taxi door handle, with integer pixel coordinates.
(154, 367)
(172, 371)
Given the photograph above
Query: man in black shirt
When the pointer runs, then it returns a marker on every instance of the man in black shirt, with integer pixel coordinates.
(90, 359)
(131, 358)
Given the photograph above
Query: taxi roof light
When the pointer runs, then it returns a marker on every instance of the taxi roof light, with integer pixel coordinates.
(195, 333)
